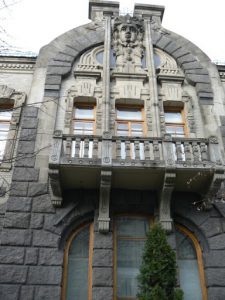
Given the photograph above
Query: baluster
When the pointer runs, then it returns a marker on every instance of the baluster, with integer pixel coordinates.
(195, 152)
(156, 150)
(118, 149)
(95, 148)
(204, 152)
(187, 151)
(77, 147)
(137, 149)
(127, 149)
(86, 148)
(179, 151)
(68, 147)
(147, 150)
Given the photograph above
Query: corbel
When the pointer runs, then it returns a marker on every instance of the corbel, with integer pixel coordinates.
(104, 201)
(55, 187)
(165, 199)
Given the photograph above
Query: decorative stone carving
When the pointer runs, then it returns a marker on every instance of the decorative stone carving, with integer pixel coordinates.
(104, 200)
(168, 69)
(55, 187)
(128, 33)
(165, 200)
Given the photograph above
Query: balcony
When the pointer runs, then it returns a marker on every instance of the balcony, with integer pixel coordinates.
(135, 162)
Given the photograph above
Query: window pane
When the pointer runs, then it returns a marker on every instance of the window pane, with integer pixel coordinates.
(188, 268)
(131, 236)
(84, 112)
(4, 126)
(136, 129)
(129, 255)
(175, 130)
(5, 115)
(129, 114)
(83, 127)
(77, 284)
(173, 117)
(132, 227)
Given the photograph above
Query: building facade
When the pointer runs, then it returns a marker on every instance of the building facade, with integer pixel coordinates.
(117, 124)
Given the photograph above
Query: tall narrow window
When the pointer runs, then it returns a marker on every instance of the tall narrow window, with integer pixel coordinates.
(129, 121)
(190, 265)
(130, 236)
(5, 118)
(77, 265)
(84, 119)
(175, 122)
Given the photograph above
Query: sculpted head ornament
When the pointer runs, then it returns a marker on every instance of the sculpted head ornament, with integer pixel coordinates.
(128, 33)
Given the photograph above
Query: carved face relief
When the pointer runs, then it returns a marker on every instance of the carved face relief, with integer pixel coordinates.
(128, 36)
(127, 33)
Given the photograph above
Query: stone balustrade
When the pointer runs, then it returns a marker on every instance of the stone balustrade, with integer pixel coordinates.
(111, 149)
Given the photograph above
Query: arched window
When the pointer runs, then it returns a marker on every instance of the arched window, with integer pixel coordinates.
(77, 277)
(130, 236)
(190, 265)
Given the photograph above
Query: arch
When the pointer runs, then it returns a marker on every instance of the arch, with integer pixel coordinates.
(78, 264)
(189, 57)
(194, 245)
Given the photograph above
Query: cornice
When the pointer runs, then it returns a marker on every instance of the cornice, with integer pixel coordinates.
(17, 64)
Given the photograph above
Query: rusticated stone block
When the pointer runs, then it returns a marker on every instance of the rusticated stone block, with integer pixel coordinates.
(215, 258)
(44, 275)
(25, 174)
(16, 237)
(215, 277)
(102, 293)
(211, 227)
(37, 221)
(31, 256)
(17, 220)
(25, 161)
(9, 292)
(30, 123)
(102, 277)
(216, 293)
(19, 189)
(50, 257)
(193, 78)
(13, 274)
(103, 241)
(37, 189)
(22, 204)
(28, 134)
(27, 292)
(47, 293)
(102, 258)
(163, 42)
(30, 111)
(45, 239)
(217, 242)
(43, 204)
(172, 47)
(12, 255)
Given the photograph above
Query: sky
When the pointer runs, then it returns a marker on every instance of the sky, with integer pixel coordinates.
(31, 24)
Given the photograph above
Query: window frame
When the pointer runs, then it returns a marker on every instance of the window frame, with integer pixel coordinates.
(150, 219)
(198, 251)
(180, 110)
(90, 259)
(15, 101)
(130, 121)
(74, 119)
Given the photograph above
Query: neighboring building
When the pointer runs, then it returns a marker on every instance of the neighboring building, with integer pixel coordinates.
(115, 125)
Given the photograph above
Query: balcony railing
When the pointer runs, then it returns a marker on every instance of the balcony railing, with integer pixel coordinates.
(108, 149)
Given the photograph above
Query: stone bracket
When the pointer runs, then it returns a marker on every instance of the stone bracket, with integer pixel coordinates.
(165, 200)
(104, 201)
(55, 187)
(217, 180)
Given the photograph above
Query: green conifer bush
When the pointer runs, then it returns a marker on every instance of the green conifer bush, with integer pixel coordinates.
(157, 279)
